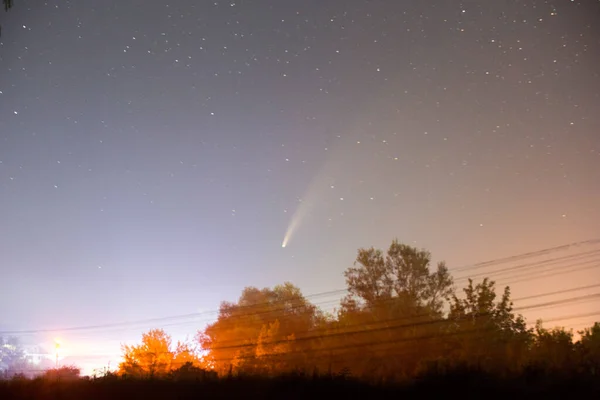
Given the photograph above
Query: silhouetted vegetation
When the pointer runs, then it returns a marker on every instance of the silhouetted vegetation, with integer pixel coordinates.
(65, 373)
(401, 328)
(465, 382)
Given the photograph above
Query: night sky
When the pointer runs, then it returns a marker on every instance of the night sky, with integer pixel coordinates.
(153, 155)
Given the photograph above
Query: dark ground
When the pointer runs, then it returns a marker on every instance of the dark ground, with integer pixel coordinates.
(465, 386)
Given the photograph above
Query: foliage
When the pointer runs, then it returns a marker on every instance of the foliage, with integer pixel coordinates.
(403, 273)
(589, 347)
(65, 373)
(486, 333)
(251, 335)
(191, 372)
(155, 356)
(395, 302)
(553, 348)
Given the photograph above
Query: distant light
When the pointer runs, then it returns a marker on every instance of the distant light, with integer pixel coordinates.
(283, 245)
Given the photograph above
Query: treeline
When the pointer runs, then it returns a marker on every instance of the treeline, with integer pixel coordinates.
(400, 320)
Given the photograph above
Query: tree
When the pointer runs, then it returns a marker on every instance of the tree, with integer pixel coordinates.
(191, 372)
(155, 356)
(404, 272)
(271, 350)
(398, 301)
(589, 348)
(485, 333)
(184, 354)
(553, 350)
(258, 332)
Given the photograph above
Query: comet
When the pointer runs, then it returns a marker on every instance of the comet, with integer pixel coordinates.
(339, 162)
(297, 218)
(317, 190)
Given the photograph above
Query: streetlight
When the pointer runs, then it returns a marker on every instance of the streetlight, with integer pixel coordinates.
(56, 346)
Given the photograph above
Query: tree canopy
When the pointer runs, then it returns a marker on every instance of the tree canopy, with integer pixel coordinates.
(156, 356)
(254, 333)
(486, 333)
(402, 273)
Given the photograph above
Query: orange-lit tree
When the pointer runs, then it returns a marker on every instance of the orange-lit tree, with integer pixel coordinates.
(258, 333)
(155, 356)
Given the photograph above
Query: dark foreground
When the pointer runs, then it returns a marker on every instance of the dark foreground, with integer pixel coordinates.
(461, 386)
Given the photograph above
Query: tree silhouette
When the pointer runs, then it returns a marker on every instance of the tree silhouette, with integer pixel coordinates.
(66, 373)
(403, 272)
(553, 350)
(399, 302)
(589, 347)
(486, 333)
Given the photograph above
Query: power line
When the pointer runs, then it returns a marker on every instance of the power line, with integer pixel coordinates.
(132, 325)
(535, 296)
(560, 302)
(428, 315)
(168, 318)
(410, 325)
(560, 272)
(397, 326)
(437, 335)
(124, 325)
(551, 261)
(525, 255)
(577, 316)
(206, 320)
